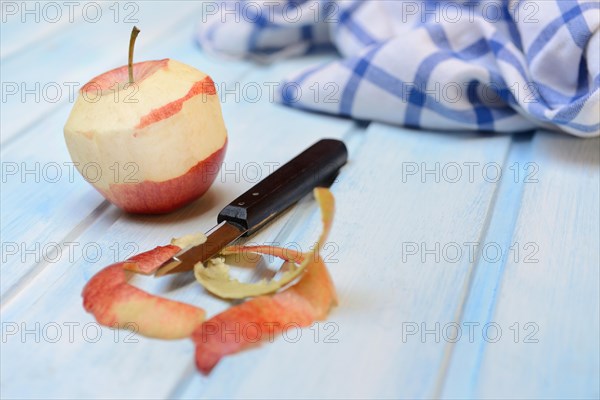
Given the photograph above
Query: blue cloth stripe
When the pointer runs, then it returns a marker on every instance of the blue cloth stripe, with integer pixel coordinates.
(298, 82)
(416, 98)
(346, 20)
(499, 84)
(512, 27)
(398, 88)
(438, 35)
(546, 35)
(578, 29)
(485, 118)
(307, 33)
(260, 23)
(358, 71)
(583, 84)
(435, 30)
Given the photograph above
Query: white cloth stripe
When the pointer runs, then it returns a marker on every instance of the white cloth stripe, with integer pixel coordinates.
(501, 66)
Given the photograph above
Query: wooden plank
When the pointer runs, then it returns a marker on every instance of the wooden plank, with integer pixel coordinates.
(380, 293)
(25, 25)
(43, 200)
(33, 204)
(557, 355)
(73, 56)
(464, 343)
(259, 133)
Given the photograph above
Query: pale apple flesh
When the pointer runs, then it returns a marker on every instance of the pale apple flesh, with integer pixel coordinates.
(153, 146)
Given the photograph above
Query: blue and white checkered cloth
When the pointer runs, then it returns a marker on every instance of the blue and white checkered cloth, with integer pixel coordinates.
(502, 66)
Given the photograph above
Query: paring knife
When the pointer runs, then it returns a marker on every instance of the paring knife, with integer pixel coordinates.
(316, 166)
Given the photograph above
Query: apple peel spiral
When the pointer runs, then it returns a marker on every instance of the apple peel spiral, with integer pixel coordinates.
(308, 296)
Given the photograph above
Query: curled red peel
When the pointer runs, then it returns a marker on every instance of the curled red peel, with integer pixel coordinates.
(259, 319)
(215, 275)
(116, 303)
(148, 262)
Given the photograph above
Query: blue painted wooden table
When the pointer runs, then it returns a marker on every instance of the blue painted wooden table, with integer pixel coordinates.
(466, 265)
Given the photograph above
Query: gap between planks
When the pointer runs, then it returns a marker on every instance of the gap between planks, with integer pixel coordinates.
(37, 268)
(502, 196)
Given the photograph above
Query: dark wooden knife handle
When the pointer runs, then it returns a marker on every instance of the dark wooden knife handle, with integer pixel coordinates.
(315, 166)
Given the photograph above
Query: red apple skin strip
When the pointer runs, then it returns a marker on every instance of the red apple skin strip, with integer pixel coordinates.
(299, 306)
(148, 262)
(205, 86)
(116, 303)
(170, 194)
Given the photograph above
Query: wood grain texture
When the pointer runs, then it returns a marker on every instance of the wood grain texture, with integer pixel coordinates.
(556, 290)
(463, 349)
(368, 348)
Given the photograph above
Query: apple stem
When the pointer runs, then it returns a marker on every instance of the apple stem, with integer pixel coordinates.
(134, 34)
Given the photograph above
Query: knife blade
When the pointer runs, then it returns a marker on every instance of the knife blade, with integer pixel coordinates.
(316, 166)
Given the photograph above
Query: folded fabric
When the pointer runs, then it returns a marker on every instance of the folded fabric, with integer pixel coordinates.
(502, 66)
